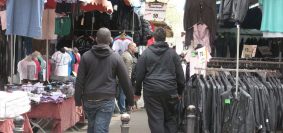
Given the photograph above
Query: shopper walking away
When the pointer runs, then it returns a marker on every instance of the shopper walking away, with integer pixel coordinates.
(160, 71)
(130, 61)
(96, 83)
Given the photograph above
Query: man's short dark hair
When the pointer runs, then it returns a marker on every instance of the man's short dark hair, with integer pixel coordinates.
(103, 36)
(160, 34)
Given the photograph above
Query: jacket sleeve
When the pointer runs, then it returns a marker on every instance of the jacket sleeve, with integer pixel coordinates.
(128, 62)
(180, 77)
(80, 82)
(125, 82)
(140, 74)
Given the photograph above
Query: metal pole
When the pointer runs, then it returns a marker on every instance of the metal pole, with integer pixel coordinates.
(14, 54)
(191, 119)
(18, 122)
(11, 58)
(125, 119)
(238, 54)
(47, 59)
(47, 51)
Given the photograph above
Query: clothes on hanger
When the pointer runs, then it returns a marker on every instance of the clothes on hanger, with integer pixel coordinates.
(199, 12)
(4, 60)
(233, 10)
(120, 44)
(272, 18)
(48, 25)
(61, 60)
(24, 17)
(256, 108)
(84, 43)
(198, 58)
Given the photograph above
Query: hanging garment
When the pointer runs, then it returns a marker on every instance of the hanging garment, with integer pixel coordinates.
(22, 69)
(42, 74)
(84, 43)
(237, 113)
(4, 60)
(61, 63)
(38, 68)
(121, 45)
(125, 18)
(198, 59)
(24, 17)
(272, 16)
(50, 4)
(31, 71)
(233, 10)
(63, 7)
(48, 25)
(71, 63)
(63, 26)
(199, 11)
(201, 36)
(78, 60)
(3, 20)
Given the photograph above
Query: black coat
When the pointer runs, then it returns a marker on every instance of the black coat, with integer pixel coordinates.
(200, 11)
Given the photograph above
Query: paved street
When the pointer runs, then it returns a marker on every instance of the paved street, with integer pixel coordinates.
(138, 124)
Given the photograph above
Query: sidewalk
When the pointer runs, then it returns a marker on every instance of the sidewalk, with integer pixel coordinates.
(138, 123)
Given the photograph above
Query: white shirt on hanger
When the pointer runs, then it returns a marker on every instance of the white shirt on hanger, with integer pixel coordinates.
(120, 46)
(61, 63)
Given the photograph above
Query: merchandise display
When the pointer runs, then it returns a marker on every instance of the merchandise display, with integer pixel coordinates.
(230, 50)
(13, 104)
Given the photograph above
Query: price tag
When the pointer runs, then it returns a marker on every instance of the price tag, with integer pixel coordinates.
(249, 51)
(227, 101)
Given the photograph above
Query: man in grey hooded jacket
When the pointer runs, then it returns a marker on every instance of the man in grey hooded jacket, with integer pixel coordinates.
(96, 83)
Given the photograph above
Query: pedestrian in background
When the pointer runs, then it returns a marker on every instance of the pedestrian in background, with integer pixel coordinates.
(160, 72)
(130, 60)
(95, 88)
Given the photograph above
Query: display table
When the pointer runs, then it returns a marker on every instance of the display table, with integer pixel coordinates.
(8, 125)
(63, 115)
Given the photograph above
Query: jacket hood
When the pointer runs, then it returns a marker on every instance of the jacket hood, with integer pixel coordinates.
(159, 48)
(101, 51)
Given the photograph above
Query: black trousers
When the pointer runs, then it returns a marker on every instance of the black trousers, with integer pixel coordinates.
(162, 113)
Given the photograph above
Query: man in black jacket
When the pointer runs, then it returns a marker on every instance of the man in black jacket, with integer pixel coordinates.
(159, 69)
(96, 83)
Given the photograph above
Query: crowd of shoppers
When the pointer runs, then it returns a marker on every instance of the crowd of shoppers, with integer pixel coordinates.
(158, 72)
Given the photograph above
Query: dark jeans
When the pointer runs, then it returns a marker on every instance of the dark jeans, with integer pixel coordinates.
(162, 113)
(99, 114)
(121, 100)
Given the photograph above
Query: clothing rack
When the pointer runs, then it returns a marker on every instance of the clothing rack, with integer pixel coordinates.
(247, 62)
(120, 31)
(233, 70)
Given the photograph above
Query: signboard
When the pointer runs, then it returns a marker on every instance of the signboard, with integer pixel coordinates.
(249, 51)
(155, 11)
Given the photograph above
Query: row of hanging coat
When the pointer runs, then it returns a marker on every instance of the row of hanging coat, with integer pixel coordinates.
(257, 107)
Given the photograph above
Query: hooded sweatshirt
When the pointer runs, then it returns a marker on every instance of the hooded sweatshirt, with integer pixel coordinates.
(159, 69)
(97, 74)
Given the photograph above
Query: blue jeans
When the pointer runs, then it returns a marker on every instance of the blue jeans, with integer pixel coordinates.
(99, 114)
(121, 101)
